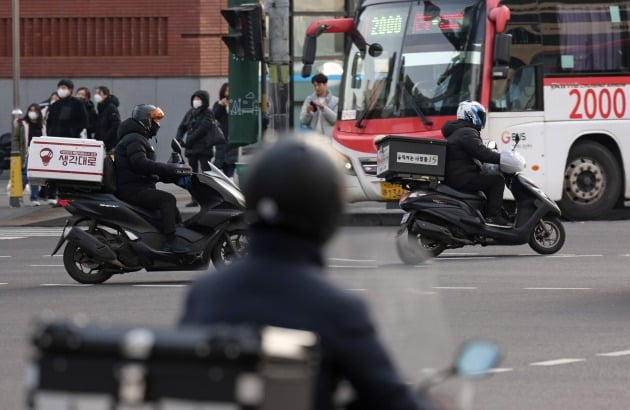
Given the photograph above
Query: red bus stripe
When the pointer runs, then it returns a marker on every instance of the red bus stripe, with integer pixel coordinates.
(622, 79)
(66, 143)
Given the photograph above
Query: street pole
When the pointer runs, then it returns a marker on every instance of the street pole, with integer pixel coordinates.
(15, 199)
(278, 12)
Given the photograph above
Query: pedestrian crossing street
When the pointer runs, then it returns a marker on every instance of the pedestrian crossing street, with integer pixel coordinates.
(29, 232)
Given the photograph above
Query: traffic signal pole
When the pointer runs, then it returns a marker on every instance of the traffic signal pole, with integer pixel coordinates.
(15, 167)
(278, 12)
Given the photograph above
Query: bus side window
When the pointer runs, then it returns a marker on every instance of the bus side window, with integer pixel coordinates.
(521, 94)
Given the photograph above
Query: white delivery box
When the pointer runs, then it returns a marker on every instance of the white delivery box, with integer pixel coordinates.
(65, 159)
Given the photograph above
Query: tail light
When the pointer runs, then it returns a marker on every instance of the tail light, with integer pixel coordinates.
(64, 202)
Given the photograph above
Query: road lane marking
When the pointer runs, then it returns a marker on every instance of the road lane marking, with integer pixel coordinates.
(500, 370)
(455, 287)
(351, 260)
(13, 237)
(558, 288)
(573, 255)
(615, 354)
(65, 284)
(3, 283)
(357, 290)
(353, 266)
(5, 256)
(45, 266)
(175, 285)
(476, 258)
(556, 362)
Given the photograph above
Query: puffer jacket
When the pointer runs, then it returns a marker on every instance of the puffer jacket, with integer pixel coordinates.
(135, 159)
(107, 122)
(465, 152)
(196, 126)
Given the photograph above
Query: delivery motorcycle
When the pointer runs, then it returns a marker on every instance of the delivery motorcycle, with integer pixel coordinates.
(439, 217)
(107, 236)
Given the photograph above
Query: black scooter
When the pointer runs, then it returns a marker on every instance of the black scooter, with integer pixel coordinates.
(439, 217)
(107, 236)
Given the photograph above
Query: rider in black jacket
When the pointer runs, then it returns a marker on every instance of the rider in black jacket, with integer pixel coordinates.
(465, 152)
(137, 171)
(295, 193)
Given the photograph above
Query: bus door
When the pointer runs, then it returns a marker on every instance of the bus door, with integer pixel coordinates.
(516, 109)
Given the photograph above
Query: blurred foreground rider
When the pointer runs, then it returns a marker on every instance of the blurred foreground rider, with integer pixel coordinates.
(137, 171)
(294, 190)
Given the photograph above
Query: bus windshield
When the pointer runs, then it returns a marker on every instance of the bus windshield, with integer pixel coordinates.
(429, 59)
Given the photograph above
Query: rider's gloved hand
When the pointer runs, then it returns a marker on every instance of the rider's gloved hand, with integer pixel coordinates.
(184, 181)
(511, 162)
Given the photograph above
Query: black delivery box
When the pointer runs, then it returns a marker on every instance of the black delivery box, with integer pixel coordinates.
(87, 366)
(401, 157)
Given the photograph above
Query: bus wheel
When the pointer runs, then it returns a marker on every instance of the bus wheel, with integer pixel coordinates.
(592, 182)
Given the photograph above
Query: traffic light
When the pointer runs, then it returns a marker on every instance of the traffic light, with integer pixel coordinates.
(246, 37)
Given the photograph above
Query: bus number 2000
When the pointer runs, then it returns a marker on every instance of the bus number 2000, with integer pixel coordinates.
(591, 104)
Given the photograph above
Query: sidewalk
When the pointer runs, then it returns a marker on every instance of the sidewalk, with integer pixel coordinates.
(357, 214)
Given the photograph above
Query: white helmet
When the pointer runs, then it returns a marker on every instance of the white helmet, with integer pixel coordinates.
(473, 112)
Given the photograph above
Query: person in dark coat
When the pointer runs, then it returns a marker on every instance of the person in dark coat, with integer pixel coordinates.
(68, 116)
(108, 119)
(226, 154)
(193, 133)
(84, 94)
(465, 152)
(137, 171)
(281, 283)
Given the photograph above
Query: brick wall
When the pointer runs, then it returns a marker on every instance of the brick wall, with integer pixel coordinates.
(116, 38)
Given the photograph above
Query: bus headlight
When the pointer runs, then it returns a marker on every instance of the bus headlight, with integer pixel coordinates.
(346, 164)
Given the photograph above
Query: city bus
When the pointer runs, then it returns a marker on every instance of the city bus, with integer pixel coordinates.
(555, 73)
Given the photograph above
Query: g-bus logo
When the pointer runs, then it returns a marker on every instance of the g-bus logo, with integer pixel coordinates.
(507, 136)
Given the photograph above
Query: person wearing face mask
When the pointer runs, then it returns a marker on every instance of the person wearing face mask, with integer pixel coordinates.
(83, 94)
(137, 171)
(193, 133)
(68, 116)
(29, 126)
(108, 119)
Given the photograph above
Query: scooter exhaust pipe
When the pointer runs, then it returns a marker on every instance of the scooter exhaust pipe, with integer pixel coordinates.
(91, 245)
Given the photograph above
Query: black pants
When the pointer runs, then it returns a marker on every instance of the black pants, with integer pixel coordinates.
(154, 200)
(199, 161)
(492, 186)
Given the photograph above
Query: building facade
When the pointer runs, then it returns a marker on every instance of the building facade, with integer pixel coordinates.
(156, 51)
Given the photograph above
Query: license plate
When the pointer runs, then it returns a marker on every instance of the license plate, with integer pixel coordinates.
(391, 192)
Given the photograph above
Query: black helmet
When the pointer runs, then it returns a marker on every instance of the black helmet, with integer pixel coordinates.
(145, 113)
(295, 186)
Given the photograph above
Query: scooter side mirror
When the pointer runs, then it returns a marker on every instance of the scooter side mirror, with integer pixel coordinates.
(476, 358)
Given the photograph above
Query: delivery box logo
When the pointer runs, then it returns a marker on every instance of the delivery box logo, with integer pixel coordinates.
(46, 155)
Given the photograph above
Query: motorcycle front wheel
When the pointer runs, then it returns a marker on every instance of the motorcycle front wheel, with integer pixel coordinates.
(83, 268)
(414, 249)
(230, 247)
(548, 236)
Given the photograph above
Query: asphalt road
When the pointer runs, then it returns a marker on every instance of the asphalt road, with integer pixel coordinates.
(561, 320)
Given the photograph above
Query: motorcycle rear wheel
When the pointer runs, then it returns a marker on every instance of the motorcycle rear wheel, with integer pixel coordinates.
(415, 249)
(227, 251)
(83, 268)
(548, 236)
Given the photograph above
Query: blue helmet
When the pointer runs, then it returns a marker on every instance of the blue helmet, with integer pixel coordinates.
(473, 112)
